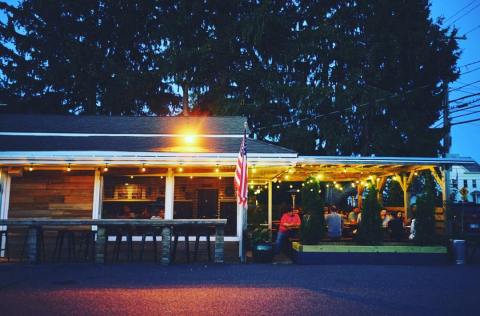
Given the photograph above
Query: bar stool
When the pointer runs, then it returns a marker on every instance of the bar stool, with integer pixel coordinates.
(87, 240)
(179, 232)
(146, 231)
(4, 244)
(63, 234)
(40, 245)
(202, 232)
(118, 233)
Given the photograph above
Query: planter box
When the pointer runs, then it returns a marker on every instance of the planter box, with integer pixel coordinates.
(354, 254)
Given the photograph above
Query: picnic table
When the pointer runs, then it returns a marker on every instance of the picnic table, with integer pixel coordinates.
(35, 225)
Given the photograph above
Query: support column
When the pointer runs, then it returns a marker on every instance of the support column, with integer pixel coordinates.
(219, 244)
(166, 240)
(241, 244)
(169, 194)
(270, 206)
(359, 195)
(100, 245)
(97, 196)
(445, 186)
(5, 182)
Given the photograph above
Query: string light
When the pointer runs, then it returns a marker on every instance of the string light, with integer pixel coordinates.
(353, 185)
(131, 177)
(251, 186)
(286, 177)
(254, 170)
(298, 190)
(220, 178)
(191, 177)
(415, 173)
(105, 169)
(180, 169)
(291, 186)
(291, 171)
(143, 168)
(30, 168)
(278, 187)
(344, 170)
(68, 168)
(303, 184)
(328, 185)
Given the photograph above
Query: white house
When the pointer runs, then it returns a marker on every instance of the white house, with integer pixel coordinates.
(466, 178)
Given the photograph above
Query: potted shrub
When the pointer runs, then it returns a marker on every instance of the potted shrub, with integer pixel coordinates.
(262, 247)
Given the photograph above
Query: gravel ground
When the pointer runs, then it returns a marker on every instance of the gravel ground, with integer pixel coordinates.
(142, 289)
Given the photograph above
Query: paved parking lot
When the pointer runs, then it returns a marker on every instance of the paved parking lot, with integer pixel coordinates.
(140, 289)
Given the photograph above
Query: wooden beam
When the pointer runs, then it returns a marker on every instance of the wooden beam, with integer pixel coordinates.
(270, 206)
(436, 176)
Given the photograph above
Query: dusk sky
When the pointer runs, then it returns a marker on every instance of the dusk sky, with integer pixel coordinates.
(464, 14)
(465, 136)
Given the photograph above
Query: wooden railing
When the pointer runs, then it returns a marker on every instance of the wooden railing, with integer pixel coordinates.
(35, 224)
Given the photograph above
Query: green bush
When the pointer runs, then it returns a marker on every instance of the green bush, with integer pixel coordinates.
(425, 213)
(313, 222)
(370, 227)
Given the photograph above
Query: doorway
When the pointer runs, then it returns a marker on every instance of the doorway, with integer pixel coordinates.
(207, 203)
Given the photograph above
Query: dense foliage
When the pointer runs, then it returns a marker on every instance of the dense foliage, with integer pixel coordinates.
(323, 77)
(425, 213)
(370, 227)
(313, 221)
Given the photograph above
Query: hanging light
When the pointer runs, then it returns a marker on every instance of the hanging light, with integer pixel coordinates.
(353, 185)
(303, 184)
(143, 168)
(220, 178)
(68, 168)
(161, 177)
(191, 177)
(131, 177)
(254, 170)
(180, 169)
(415, 173)
(278, 187)
(105, 169)
(344, 170)
(30, 168)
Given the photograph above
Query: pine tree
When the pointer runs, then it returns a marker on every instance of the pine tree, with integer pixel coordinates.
(370, 227)
(313, 222)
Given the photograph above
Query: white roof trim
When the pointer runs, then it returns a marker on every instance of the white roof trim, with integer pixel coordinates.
(351, 160)
(115, 135)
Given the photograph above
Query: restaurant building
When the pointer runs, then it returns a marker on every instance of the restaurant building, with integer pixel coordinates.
(172, 167)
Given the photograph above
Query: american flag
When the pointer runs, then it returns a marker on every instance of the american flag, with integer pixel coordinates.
(241, 173)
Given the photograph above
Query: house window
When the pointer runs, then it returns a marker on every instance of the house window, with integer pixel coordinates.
(455, 183)
(465, 183)
(474, 183)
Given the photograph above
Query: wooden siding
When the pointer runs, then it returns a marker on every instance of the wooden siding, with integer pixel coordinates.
(52, 194)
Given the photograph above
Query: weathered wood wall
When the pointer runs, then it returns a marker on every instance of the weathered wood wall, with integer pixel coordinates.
(52, 194)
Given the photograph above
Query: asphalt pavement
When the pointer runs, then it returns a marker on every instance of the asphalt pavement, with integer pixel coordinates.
(148, 289)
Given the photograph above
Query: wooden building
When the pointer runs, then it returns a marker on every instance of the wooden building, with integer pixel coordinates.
(173, 167)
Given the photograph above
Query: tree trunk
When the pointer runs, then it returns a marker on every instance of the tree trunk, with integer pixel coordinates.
(185, 99)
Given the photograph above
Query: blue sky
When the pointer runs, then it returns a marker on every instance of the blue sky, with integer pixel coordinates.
(465, 138)
(465, 15)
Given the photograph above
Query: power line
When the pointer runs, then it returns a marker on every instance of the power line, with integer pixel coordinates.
(470, 31)
(466, 108)
(462, 16)
(465, 122)
(464, 73)
(458, 11)
(466, 85)
(464, 97)
(469, 64)
(465, 114)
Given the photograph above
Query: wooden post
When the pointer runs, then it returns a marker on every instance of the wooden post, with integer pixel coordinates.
(33, 244)
(5, 182)
(219, 244)
(359, 195)
(166, 239)
(380, 183)
(270, 206)
(97, 196)
(100, 245)
(169, 194)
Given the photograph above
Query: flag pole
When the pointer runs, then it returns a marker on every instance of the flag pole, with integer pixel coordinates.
(244, 237)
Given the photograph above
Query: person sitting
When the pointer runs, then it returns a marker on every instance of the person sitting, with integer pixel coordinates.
(352, 216)
(334, 224)
(289, 224)
(385, 218)
(395, 227)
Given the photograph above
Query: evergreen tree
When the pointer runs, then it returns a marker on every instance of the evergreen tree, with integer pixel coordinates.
(425, 213)
(313, 222)
(370, 227)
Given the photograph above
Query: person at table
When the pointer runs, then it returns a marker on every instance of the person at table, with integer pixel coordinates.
(289, 224)
(334, 224)
(353, 215)
(385, 217)
(395, 227)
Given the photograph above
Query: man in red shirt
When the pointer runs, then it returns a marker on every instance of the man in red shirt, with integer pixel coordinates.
(289, 223)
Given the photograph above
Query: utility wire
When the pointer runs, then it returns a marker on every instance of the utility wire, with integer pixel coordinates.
(465, 122)
(466, 108)
(464, 73)
(464, 97)
(458, 11)
(466, 85)
(470, 31)
(469, 64)
(465, 114)
(463, 15)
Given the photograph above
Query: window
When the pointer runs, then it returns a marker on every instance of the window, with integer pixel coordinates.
(465, 183)
(455, 183)
(474, 183)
